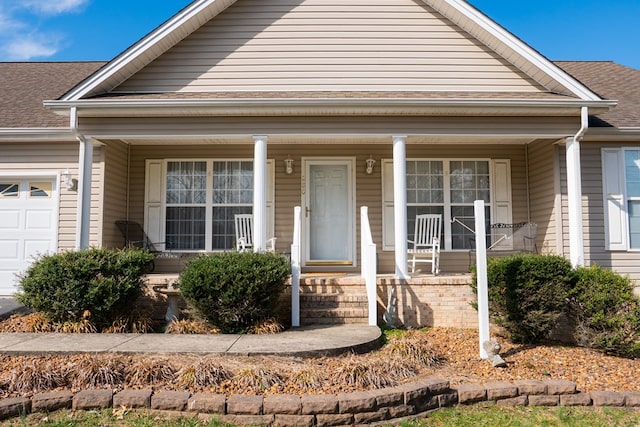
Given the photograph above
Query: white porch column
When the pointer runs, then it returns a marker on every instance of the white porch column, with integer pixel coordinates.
(574, 195)
(260, 193)
(83, 215)
(400, 205)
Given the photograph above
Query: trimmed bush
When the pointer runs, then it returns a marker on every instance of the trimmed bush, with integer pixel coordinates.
(235, 290)
(97, 285)
(605, 312)
(527, 293)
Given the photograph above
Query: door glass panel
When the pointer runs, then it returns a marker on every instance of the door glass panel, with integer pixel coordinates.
(40, 189)
(329, 216)
(9, 189)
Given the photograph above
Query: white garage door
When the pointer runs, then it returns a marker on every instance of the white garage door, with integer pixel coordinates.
(28, 212)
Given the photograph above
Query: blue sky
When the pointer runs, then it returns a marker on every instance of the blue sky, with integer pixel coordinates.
(72, 30)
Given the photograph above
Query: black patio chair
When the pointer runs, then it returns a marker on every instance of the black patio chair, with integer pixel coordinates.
(135, 237)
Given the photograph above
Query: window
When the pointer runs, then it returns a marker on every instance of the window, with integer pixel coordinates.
(9, 190)
(40, 189)
(621, 189)
(190, 204)
(632, 178)
(449, 188)
(192, 217)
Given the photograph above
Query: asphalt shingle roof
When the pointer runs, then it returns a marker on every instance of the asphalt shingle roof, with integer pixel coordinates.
(610, 81)
(24, 85)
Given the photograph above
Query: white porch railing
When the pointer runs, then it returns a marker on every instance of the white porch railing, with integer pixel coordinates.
(295, 268)
(368, 264)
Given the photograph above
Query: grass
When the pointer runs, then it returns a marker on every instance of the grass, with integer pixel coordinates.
(459, 416)
(493, 416)
(108, 417)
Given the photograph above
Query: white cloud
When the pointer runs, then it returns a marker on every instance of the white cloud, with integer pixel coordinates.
(25, 49)
(21, 21)
(54, 7)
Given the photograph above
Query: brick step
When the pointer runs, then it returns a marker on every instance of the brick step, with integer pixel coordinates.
(333, 301)
(309, 316)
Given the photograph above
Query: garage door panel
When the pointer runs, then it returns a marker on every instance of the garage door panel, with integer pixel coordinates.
(27, 226)
(33, 248)
(38, 220)
(9, 251)
(9, 219)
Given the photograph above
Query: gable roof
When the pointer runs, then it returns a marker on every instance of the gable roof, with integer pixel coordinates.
(200, 12)
(26, 84)
(610, 81)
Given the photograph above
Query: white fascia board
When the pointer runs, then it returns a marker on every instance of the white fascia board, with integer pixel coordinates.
(36, 134)
(140, 51)
(324, 106)
(524, 50)
(612, 134)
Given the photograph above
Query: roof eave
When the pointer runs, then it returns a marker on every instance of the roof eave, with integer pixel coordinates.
(36, 134)
(302, 106)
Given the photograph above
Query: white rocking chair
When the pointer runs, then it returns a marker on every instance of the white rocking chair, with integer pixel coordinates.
(244, 234)
(425, 246)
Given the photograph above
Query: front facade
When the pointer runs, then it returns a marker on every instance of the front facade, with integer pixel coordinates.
(258, 107)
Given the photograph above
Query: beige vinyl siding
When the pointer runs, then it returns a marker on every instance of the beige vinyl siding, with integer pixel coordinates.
(55, 158)
(623, 262)
(214, 129)
(369, 187)
(318, 45)
(542, 193)
(115, 192)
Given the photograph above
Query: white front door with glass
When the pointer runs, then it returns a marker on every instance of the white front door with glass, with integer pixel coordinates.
(328, 212)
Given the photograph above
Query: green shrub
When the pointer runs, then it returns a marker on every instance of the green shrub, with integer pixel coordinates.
(605, 312)
(527, 293)
(91, 284)
(235, 290)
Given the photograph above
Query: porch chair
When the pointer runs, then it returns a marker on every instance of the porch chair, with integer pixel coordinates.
(135, 237)
(244, 234)
(425, 246)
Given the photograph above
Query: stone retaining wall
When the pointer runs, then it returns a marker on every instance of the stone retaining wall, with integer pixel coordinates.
(378, 406)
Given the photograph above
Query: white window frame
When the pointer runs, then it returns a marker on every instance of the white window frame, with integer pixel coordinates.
(616, 200)
(500, 209)
(156, 199)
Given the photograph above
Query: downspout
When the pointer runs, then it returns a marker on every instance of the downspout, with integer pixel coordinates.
(85, 163)
(574, 192)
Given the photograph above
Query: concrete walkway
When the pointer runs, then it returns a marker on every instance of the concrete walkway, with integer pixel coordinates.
(317, 340)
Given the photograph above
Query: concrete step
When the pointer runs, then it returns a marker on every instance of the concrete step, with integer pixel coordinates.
(342, 315)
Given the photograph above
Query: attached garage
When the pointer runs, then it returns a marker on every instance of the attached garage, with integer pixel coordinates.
(28, 224)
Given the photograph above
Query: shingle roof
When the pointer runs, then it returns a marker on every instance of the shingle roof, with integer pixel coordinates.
(610, 81)
(24, 85)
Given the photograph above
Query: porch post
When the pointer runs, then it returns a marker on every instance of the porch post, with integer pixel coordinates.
(260, 193)
(83, 212)
(574, 195)
(400, 205)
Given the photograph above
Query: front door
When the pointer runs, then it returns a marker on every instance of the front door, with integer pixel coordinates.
(329, 212)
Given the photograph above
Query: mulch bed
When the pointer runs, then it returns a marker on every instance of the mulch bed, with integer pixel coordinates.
(589, 369)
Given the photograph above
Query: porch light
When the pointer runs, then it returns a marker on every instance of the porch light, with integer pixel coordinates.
(370, 162)
(288, 165)
(69, 182)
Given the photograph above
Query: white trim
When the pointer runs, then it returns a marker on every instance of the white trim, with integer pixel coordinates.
(260, 193)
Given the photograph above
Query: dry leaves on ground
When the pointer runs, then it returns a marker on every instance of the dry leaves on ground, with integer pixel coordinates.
(446, 353)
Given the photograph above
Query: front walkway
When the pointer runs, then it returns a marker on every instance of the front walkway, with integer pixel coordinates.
(308, 341)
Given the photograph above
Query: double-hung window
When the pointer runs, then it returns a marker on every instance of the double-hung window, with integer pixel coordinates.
(449, 188)
(193, 206)
(621, 189)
